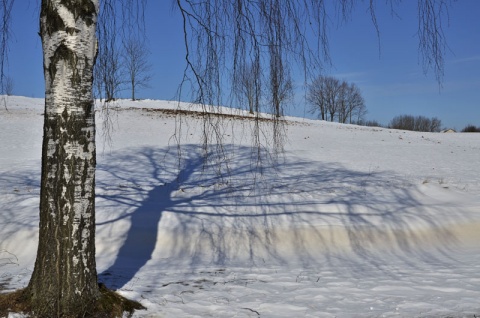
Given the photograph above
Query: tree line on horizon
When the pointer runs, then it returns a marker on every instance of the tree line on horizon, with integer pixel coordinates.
(332, 99)
(416, 123)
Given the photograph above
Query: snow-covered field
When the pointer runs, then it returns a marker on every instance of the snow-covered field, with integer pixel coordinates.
(354, 222)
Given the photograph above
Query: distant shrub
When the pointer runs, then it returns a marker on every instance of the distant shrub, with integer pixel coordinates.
(373, 123)
(368, 123)
(471, 128)
(418, 123)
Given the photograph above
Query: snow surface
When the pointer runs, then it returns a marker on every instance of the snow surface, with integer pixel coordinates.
(353, 222)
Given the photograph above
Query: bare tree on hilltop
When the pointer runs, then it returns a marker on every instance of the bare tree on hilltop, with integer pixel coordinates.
(109, 75)
(221, 37)
(248, 86)
(135, 58)
(328, 95)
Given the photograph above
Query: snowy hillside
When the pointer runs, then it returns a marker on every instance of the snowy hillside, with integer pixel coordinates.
(353, 222)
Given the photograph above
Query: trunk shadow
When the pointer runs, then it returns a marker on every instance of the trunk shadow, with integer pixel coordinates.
(142, 236)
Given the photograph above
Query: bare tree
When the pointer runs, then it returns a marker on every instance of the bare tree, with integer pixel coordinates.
(317, 97)
(333, 92)
(64, 280)
(343, 102)
(281, 87)
(109, 76)
(9, 85)
(248, 86)
(65, 261)
(325, 96)
(280, 79)
(135, 57)
(435, 125)
(109, 73)
(359, 114)
(5, 16)
(354, 103)
(339, 99)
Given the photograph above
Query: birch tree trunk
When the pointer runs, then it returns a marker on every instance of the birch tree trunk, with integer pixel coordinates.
(64, 280)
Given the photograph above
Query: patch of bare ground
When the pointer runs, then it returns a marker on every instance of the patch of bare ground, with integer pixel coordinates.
(109, 305)
(200, 114)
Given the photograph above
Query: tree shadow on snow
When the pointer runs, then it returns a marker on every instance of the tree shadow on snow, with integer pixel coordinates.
(304, 213)
(141, 238)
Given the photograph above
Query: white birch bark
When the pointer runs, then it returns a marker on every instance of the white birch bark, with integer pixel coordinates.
(64, 280)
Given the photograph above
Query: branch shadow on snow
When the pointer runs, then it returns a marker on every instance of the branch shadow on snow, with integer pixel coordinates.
(19, 197)
(302, 213)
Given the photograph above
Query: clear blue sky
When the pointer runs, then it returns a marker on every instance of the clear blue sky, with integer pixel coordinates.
(392, 82)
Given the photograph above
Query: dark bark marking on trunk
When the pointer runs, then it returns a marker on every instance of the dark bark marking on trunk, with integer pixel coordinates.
(55, 22)
(67, 55)
(81, 8)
